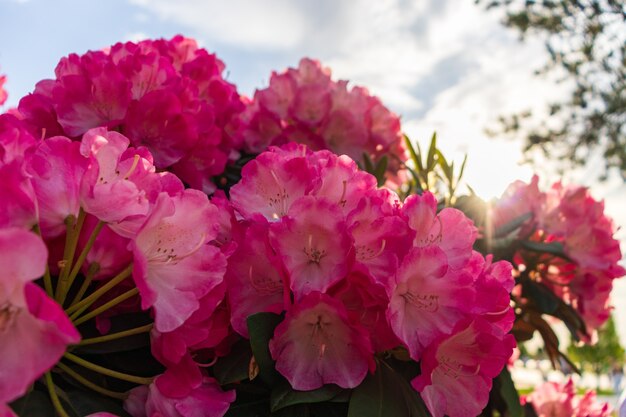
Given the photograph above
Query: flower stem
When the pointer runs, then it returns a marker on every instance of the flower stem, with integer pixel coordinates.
(94, 267)
(56, 402)
(83, 254)
(118, 335)
(73, 226)
(104, 307)
(106, 371)
(47, 279)
(85, 303)
(78, 377)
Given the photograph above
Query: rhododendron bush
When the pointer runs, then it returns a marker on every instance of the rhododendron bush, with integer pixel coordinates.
(173, 249)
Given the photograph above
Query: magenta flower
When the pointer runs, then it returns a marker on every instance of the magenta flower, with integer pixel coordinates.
(173, 264)
(34, 329)
(317, 344)
(314, 245)
(57, 168)
(450, 229)
(553, 399)
(428, 298)
(182, 391)
(3, 92)
(254, 277)
(457, 371)
(166, 95)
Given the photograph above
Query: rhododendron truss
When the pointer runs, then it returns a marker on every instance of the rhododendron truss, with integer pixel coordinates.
(565, 255)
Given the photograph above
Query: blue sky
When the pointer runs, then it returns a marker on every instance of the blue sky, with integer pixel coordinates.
(443, 65)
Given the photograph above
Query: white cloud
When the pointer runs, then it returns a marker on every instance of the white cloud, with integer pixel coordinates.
(270, 25)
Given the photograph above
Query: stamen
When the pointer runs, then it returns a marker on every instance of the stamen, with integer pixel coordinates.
(342, 200)
(136, 159)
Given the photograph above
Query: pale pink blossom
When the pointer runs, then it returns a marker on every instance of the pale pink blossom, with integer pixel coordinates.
(318, 344)
(174, 266)
(34, 330)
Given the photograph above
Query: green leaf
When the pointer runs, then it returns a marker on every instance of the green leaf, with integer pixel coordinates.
(509, 394)
(553, 248)
(432, 151)
(386, 394)
(234, 366)
(261, 329)
(284, 396)
(417, 158)
(85, 403)
(368, 164)
(547, 302)
(298, 410)
(379, 171)
(513, 225)
(33, 404)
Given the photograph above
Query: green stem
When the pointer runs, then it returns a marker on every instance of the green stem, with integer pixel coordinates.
(85, 303)
(47, 279)
(71, 240)
(56, 402)
(94, 267)
(115, 336)
(78, 377)
(104, 307)
(106, 371)
(83, 254)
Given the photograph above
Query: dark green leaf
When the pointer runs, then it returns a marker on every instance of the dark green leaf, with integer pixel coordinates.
(379, 171)
(367, 163)
(553, 248)
(284, 396)
(509, 394)
(513, 225)
(261, 329)
(33, 404)
(386, 394)
(234, 366)
(546, 301)
(432, 151)
(85, 403)
(258, 408)
(415, 156)
(298, 410)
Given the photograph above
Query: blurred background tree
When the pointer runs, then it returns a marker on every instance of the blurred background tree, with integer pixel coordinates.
(603, 357)
(586, 43)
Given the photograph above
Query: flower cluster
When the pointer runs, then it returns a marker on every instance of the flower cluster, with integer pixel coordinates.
(572, 218)
(103, 215)
(553, 399)
(357, 272)
(305, 105)
(166, 95)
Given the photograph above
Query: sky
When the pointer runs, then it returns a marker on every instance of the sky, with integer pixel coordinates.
(442, 65)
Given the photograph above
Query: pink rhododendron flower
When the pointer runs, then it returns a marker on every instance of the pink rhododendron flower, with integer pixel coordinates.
(15, 138)
(19, 202)
(428, 298)
(166, 95)
(108, 191)
(457, 371)
(450, 229)
(6, 411)
(34, 330)
(317, 344)
(3, 92)
(57, 168)
(553, 399)
(254, 277)
(173, 264)
(272, 182)
(314, 245)
(182, 391)
(304, 105)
